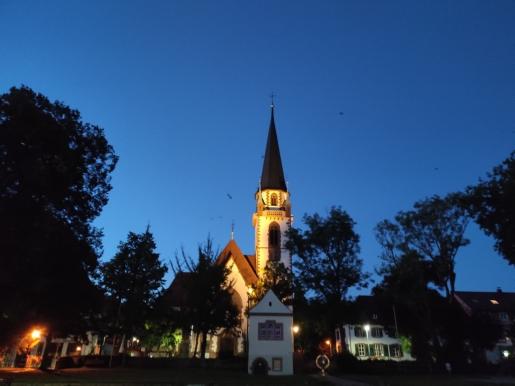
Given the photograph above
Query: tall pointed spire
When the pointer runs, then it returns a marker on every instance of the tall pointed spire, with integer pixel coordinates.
(272, 176)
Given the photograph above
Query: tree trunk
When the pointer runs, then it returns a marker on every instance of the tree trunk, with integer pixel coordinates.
(203, 346)
(122, 350)
(452, 282)
(196, 345)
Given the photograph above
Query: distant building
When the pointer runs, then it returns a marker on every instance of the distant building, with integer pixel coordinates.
(370, 332)
(499, 306)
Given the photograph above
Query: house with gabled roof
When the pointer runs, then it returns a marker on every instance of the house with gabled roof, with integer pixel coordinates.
(499, 307)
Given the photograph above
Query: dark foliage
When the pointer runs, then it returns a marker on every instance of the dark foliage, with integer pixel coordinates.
(54, 180)
(133, 281)
(433, 232)
(327, 251)
(492, 204)
(209, 306)
(276, 277)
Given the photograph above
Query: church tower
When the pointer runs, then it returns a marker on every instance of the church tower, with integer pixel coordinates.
(273, 209)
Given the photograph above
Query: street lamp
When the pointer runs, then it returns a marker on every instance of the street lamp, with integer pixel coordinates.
(296, 329)
(328, 342)
(35, 334)
(366, 327)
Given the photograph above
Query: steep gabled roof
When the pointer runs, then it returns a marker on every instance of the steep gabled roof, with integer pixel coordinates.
(246, 264)
(270, 305)
(176, 295)
(272, 176)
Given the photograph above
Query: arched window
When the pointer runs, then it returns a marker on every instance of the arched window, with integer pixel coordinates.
(273, 199)
(274, 241)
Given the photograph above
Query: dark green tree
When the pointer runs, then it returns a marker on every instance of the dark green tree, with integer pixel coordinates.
(133, 281)
(492, 204)
(209, 305)
(434, 231)
(54, 181)
(276, 277)
(327, 251)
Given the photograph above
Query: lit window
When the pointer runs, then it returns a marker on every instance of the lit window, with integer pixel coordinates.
(493, 301)
(395, 351)
(277, 364)
(361, 350)
(379, 349)
(270, 330)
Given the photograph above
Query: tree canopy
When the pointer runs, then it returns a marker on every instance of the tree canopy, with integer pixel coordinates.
(54, 180)
(434, 231)
(276, 277)
(327, 251)
(209, 305)
(133, 280)
(492, 204)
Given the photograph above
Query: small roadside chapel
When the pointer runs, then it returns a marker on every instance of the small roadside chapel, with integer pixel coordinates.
(270, 337)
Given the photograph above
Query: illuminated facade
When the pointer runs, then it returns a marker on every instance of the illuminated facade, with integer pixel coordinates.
(271, 221)
(273, 208)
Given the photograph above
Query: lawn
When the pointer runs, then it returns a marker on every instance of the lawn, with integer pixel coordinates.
(151, 377)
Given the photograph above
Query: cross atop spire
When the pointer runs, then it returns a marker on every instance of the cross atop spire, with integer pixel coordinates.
(272, 176)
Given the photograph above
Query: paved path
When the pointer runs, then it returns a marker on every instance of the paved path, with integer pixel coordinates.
(342, 382)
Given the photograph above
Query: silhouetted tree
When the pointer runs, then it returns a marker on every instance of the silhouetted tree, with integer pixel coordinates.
(209, 305)
(276, 277)
(54, 180)
(434, 231)
(328, 252)
(492, 204)
(133, 280)
(406, 284)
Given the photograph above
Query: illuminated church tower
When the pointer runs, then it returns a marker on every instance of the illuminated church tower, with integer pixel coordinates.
(273, 209)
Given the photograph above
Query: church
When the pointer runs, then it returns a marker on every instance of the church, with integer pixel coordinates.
(271, 220)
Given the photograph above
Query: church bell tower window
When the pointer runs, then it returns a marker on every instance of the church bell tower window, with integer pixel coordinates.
(273, 199)
(274, 241)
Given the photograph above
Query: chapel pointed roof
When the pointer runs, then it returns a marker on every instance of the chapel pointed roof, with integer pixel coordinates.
(270, 305)
(246, 264)
(272, 176)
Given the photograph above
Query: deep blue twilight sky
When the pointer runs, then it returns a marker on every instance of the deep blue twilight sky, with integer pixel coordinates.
(426, 88)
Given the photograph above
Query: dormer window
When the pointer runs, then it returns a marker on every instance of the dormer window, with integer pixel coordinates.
(273, 199)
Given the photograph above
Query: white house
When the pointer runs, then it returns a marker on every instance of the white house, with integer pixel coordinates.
(370, 341)
(370, 331)
(271, 337)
